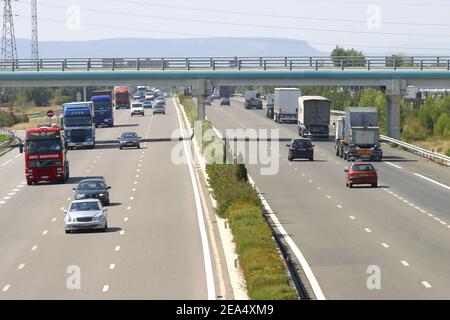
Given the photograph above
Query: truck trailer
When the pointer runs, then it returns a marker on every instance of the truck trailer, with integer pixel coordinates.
(314, 117)
(358, 135)
(286, 104)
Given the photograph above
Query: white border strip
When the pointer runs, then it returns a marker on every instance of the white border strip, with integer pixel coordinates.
(201, 222)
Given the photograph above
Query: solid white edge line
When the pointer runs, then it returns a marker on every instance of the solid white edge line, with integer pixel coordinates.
(393, 165)
(201, 222)
(298, 254)
(432, 181)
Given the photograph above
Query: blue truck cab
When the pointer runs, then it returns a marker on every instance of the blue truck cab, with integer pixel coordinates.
(103, 111)
(79, 124)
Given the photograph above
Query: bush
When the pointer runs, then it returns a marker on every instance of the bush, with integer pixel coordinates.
(7, 119)
(442, 126)
(238, 201)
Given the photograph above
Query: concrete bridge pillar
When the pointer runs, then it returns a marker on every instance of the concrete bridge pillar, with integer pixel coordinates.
(395, 93)
(201, 89)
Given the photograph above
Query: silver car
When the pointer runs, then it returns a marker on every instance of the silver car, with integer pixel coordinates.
(86, 214)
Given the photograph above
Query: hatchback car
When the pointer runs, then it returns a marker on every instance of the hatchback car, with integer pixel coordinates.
(361, 173)
(147, 104)
(301, 148)
(225, 102)
(159, 108)
(93, 189)
(86, 214)
(129, 140)
(137, 108)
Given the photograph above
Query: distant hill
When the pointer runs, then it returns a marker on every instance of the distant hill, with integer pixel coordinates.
(136, 47)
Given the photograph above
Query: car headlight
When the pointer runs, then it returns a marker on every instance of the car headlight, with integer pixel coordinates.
(99, 216)
(79, 196)
(101, 195)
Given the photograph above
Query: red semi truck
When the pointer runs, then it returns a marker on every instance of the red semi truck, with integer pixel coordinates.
(45, 155)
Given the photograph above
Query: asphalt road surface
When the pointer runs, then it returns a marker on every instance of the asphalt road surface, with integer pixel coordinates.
(153, 248)
(392, 242)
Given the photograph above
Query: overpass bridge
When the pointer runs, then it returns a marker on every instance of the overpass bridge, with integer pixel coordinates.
(393, 75)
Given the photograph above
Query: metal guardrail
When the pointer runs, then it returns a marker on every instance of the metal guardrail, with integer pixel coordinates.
(436, 157)
(228, 63)
(12, 136)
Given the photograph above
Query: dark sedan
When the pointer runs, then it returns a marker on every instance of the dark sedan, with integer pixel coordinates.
(225, 102)
(129, 140)
(93, 189)
(301, 148)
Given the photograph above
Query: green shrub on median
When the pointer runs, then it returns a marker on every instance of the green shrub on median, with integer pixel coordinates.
(237, 200)
(264, 270)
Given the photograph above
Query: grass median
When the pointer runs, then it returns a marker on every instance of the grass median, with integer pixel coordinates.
(264, 270)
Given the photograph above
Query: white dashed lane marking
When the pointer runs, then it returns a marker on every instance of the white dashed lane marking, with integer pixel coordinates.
(426, 284)
(105, 288)
(352, 217)
(21, 266)
(385, 245)
(34, 248)
(6, 287)
(112, 266)
(117, 248)
(45, 232)
(405, 263)
(367, 230)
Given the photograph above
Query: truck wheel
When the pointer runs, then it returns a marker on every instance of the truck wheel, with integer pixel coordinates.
(29, 183)
(375, 185)
(350, 185)
(345, 156)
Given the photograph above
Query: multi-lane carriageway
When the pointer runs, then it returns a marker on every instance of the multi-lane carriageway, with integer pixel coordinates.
(401, 229)
(153, 248)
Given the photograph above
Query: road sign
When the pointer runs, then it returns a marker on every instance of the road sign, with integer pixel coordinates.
(50, 113)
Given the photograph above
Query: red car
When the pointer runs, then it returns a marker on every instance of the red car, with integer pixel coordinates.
(361, 173)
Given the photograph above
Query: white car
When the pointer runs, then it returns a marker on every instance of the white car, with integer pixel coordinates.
(137, 108)
(86, 214)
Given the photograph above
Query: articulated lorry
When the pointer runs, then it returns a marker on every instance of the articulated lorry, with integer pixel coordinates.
(358, 135)
(252, 100)
(314, 116)
(45, 155)
(79, 124)
(121, 98)
(102, 101)
(286, 105)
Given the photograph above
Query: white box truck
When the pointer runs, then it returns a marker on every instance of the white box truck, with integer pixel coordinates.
(314, 116)
(286, 105)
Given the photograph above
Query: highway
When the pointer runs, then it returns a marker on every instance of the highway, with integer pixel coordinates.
(401, 228)
(153, 248)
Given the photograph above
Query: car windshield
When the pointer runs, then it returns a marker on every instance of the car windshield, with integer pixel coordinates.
(136, 106)
(362, 167)
(91, 185)
(43, 146)
(301, 144)
(129, 136)
(77, 121)
(84, 206)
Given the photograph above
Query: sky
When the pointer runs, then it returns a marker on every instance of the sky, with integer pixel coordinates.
(402, 26)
